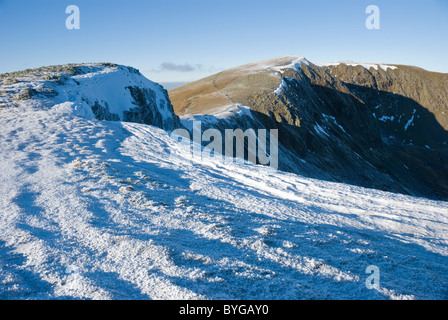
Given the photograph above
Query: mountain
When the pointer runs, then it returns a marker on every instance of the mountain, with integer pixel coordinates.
(103, 91)
(118, 209)
(373, 125)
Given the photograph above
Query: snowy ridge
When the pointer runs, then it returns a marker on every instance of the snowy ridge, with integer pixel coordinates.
(296, 62)
(277, 64)
(106, 87)
(99, 210)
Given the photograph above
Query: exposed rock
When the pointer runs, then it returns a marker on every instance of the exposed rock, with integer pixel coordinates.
(147, 108)
(103, 112)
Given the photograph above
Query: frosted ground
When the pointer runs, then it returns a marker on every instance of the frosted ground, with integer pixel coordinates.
(98, 210)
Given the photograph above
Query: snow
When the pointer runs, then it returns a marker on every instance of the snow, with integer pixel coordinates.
(105, 85)
(387, 118)
(318, 128)
(280, 88)
(295, 63)
(329, 118)
(277, 64)
(81, 110)
(99, 210)
(410, 122)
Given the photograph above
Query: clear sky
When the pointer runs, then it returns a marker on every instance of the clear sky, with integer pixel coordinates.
(184, 40)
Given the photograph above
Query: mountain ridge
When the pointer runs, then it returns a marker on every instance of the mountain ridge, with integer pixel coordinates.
(388, 123)
(104, 91)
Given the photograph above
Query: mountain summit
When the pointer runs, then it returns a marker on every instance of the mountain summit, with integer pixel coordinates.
(374, 125)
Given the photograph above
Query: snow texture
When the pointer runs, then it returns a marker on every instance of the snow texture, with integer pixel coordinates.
(102, 210)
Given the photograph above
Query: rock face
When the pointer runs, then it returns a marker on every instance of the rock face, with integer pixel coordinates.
(103, 91)
(371, 125)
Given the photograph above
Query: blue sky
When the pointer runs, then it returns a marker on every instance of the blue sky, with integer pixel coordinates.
(184, 40)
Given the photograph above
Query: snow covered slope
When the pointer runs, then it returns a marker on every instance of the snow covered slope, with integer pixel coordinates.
(102, 90)
(97, 210)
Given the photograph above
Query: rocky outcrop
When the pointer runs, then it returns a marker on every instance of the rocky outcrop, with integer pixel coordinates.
(376, 126)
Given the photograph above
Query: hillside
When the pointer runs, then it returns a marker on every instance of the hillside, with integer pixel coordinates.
(373, 125)
(99, 210)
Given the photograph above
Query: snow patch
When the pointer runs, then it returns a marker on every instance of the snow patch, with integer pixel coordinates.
(320, 130)
(387, 118)
(410, 122)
